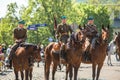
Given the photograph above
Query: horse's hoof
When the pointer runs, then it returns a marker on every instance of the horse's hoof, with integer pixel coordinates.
(111, 65)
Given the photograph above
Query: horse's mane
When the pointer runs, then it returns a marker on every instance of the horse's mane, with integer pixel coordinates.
(118, 37)
(74, 36)
(28, 45)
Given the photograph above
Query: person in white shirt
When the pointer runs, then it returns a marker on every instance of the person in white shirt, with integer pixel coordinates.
(8, 50)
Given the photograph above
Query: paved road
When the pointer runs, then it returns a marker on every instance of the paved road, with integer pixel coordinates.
(107, 73)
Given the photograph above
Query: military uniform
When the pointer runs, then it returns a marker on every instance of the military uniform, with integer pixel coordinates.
(20, 35)
(63, 32)
(93, 33)
(91, 30)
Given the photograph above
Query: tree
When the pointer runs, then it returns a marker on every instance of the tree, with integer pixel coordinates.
(43, 11)
(7, 24)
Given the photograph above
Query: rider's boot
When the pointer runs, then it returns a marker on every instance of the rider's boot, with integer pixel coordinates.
(10, 59)
(10, 64)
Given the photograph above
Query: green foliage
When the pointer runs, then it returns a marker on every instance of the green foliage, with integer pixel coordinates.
(43, 11)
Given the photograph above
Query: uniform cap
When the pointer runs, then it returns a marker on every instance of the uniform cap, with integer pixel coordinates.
(63, 17)
(21, 22)
(90, 18)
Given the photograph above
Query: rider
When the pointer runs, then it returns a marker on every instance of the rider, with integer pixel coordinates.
(20, 35)
(62, 33)
(92, 31)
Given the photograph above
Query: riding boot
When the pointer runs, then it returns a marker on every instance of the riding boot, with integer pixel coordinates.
(10, 64)
(10, 59)
(93, 43)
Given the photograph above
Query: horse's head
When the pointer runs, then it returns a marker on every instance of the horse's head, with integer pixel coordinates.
(80, 37)
(117, 41)
(36, 53)
(57, 46)
(105, 33)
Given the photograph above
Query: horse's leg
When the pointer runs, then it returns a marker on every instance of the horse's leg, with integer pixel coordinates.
(68, 66)
(26, 74)
(70, 73)
(93, 70)
(22, 75)
(37, 64)
(54, 70)
(98, 70)
(16, 74)
(110, 60)
(47, 69)
(30, 74)
(75, 72)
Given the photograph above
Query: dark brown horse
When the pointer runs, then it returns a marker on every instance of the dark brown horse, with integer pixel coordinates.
(98, 54)
(117, 41)
(73, 56)
(21, 60)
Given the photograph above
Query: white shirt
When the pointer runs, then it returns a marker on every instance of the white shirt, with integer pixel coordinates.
(8, 51)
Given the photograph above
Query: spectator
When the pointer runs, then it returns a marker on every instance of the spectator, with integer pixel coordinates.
(8, 50)
(0, 49)
(3, 48)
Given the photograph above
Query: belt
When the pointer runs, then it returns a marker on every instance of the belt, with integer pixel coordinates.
(64, 33)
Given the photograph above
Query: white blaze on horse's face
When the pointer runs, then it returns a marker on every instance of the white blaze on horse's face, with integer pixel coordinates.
(80, 36)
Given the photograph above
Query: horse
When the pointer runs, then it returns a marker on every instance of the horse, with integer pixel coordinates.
(21, 60)
(73, 56)
(117, 41)
(98, 54)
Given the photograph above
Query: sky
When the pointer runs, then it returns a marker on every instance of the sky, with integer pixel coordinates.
(4, 3)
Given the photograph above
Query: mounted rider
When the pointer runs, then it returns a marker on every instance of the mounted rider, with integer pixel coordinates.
(91, 31)
(20, 35)
(92, 36)
(62, 33)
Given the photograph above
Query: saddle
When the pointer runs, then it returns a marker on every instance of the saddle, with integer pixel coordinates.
(26, 45)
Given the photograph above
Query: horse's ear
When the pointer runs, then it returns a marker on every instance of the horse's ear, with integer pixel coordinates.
(103, 27)
(80, 27)
(59, 42)
(84, 26)
(116, 33)
(38, 46)
(108, 27)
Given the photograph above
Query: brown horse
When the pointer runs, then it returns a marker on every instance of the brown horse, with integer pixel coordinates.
(73, 56)
(117, 41)
(21, 62)
(98, 54)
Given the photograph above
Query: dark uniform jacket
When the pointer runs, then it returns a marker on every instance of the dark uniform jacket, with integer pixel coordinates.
(91, 30)
(20, 34)
(63, 31)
